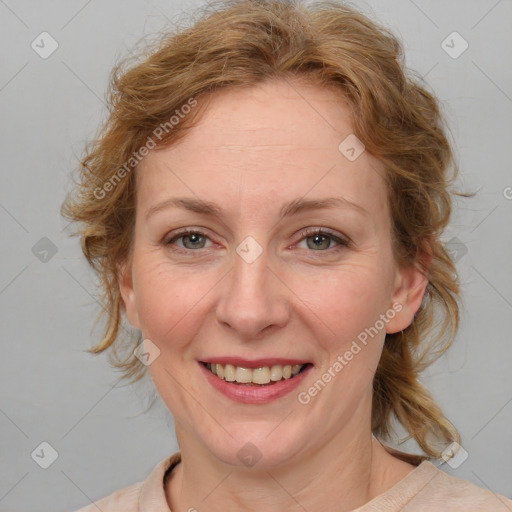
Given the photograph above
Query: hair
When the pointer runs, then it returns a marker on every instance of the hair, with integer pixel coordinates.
(240, 44)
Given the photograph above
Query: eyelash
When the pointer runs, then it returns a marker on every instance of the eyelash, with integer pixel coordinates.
(306, 233)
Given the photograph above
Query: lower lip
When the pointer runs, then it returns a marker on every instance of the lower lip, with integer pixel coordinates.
(254, 394)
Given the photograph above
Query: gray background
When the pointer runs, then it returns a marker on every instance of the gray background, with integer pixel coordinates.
(52, 390)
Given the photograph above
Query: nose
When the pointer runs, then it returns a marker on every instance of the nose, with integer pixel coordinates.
(254, 300)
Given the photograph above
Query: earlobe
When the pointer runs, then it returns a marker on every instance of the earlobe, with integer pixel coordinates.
(411, 285)
(125, 281)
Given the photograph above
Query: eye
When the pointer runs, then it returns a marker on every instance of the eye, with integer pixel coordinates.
(191, 239)
(317, 239)
(321, 240)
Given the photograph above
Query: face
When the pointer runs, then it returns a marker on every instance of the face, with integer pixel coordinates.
(289, 264)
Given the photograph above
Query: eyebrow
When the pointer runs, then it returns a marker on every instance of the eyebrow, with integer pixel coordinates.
(296, 206)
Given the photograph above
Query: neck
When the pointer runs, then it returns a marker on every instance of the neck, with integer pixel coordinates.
(360, 470)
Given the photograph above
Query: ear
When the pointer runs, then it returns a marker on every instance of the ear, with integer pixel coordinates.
(410, 286)
(125, 281)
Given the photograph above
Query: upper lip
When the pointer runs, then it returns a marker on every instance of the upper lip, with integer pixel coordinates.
(254, 363)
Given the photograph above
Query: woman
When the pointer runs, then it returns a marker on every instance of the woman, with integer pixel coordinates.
(264, 204)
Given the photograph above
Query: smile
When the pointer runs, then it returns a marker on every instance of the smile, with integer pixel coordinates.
(255, 376)
(254, 381)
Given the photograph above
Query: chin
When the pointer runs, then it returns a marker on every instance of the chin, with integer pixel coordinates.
(258, 448)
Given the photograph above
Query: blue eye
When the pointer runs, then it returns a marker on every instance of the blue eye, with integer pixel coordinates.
(320, 237)
(192, 237)
(321, 240)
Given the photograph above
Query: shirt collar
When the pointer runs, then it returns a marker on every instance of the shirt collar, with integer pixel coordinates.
(152, 494)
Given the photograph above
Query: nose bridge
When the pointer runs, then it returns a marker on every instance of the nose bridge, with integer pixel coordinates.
(253, 299)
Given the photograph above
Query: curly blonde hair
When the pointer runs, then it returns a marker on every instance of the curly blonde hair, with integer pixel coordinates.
(241, 43)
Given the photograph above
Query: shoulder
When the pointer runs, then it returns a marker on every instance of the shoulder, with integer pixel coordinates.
(141, 496)
(427, 488)
(442, 491)
(126, 499)
(461, 494)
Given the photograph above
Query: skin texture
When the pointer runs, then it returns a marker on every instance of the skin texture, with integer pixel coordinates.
(255, 150)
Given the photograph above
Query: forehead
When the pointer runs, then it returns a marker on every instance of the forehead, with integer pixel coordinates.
(279, 137)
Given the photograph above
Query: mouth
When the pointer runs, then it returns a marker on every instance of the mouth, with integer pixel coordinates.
(258, 376)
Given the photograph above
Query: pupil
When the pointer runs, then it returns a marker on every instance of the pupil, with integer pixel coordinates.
(194, 238)
(318, 239)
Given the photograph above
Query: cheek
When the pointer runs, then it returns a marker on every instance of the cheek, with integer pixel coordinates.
(346, 302)
(349, 303)
(171, 313)
(169, 300)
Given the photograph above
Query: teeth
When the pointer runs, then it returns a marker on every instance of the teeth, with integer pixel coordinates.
(229, 373)
(243, 375)
(262, 375)
(276, 372)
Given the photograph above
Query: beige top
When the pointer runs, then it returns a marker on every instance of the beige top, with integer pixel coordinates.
(425, 488)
